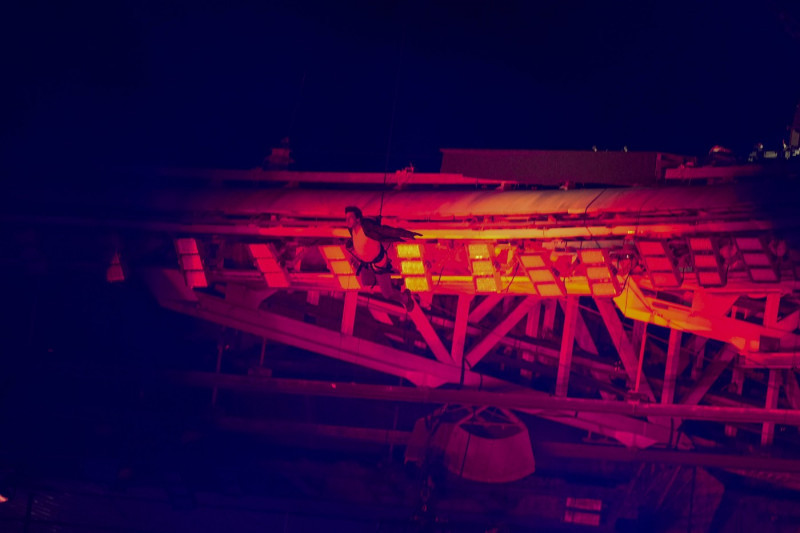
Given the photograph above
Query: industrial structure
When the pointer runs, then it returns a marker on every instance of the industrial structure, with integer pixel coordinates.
(608, 340)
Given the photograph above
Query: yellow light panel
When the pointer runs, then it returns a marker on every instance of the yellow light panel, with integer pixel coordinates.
(333, 253)
(478, 251)
(486, 284)
(482, 267)
(598, 272)
(409, 251)
(532, 261)
(605, 289)
(412, 267)
(341, 268)
(538, 276)
(549, 289)
(349, 283)
(417, 284)
(592, 256)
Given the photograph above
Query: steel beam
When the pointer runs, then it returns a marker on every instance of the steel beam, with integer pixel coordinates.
(567, 341)
(519, 399)
(671, 371)
(773, 389)
(460, 327)
(715, 368)
(429, 334)
(494, 336)
(349, 312)
(484, 308)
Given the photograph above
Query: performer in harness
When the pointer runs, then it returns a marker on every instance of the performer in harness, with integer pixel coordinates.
(366, 246)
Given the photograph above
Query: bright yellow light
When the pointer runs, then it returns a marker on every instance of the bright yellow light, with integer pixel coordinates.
(412, 267)
(409, 251)
(478, 251)
(332, 253)
(486, 284)
(417, 284)
(341, 267)
(483, 267)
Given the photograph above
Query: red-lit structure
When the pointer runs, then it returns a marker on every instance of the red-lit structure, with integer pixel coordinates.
(628, 314)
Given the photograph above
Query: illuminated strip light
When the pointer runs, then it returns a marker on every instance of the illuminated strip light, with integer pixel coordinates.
(540, 271)
(485, 277)
(114, 272)
(659, 263)
(602, 280)
(336, 258)
(757, 259)
(190, 262)
(413, 267)
(707, 263)
(265, 258)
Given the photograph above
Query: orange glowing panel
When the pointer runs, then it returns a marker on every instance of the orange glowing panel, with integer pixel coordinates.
(598, 272)
(409, 251)
(412, 267)
(550, 289)
(487, 284)
(186, 246)
(532, 261)
(605, 289)
(333, 253)
(658, 264)
(763, 274)
(417, 284)
(349, 283)
(478, 251)
(709, 278)
(341, 268)
(665, 279)
(592, 256)
(650, 248)
(749, 243)
(483, 267)
(539, 276)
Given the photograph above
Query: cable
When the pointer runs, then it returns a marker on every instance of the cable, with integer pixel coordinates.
(391, 120)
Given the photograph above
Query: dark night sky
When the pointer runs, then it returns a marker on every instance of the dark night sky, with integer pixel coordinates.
(216, 84)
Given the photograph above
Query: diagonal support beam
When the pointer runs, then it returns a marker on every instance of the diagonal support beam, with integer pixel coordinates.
(582, 334)
(623, 344)
(349, 312)
(671, 371)
(792, 389)
(484, 308)
(715, 368)
(460, 327)
(429, 334)
(493, 337)
(567, 341)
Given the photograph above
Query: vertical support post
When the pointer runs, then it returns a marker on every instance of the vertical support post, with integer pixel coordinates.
(263, 351)
(531, 330)
(641, 358)
(220, 350)
(771, 308)
(567, 342)
(671, 372)
(699, 359)
(638, 334)
(460, 327)
(349, 312)
(549, 317)
(312, 297)
(737, 379)
(773, 388)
